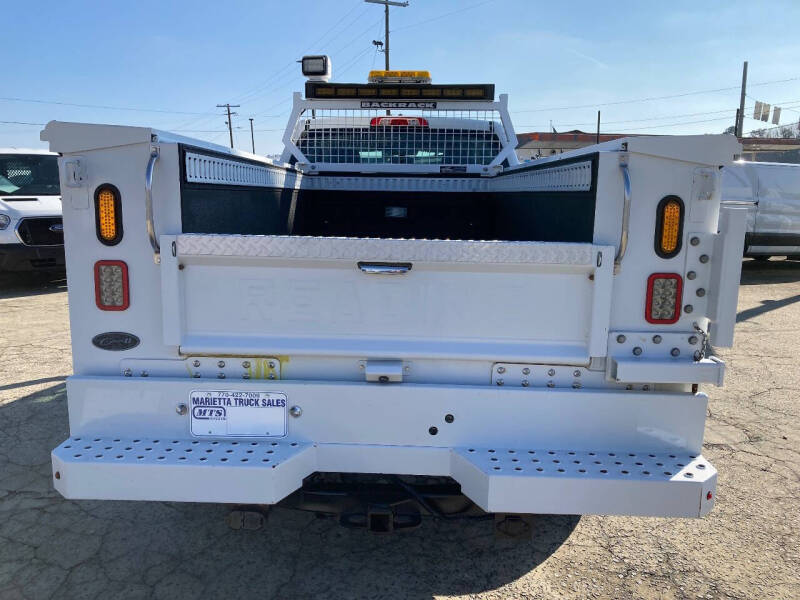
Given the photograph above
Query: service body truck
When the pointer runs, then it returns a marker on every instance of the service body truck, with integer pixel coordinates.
(31, 232)
(398, 318)
(771, 194)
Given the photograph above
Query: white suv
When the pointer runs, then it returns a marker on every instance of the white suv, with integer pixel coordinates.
(31, 233)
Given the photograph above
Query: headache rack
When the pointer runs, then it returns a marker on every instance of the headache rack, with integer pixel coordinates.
(369, 136)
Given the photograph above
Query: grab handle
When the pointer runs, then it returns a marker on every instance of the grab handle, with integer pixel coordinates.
(380, 268)
(148, 204)
(626, 211)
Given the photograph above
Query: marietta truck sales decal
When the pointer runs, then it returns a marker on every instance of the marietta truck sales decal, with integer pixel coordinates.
(375, 104)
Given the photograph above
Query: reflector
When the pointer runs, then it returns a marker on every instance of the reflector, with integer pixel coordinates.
(111, 285)
(663, 304)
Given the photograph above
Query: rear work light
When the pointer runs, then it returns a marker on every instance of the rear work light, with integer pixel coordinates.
(663, 304)
(111, 285)
(108, 214)
(398, 122)
(669, 227)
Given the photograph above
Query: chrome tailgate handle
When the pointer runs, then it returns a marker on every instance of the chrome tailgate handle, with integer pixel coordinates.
(381, 268)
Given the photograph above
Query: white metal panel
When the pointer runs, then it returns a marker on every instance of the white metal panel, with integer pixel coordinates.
(707, 370)
(401, 414)
(725, 274)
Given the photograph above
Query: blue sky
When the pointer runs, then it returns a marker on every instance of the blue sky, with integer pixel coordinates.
(174, 60)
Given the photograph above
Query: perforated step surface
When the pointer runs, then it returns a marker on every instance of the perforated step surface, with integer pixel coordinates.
(180, 469)
(586, 482)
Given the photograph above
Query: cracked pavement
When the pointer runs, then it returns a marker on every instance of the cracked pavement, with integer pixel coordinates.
(748, 546)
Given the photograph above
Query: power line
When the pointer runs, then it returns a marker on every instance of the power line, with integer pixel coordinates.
(460, 10)
(20, 123)
(101, 106)
(648, 99)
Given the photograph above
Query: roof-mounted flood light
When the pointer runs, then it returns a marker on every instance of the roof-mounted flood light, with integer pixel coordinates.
(317, 68)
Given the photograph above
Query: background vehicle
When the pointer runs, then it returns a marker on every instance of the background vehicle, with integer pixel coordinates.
(245, 331)
(31, 232)
(771, 193)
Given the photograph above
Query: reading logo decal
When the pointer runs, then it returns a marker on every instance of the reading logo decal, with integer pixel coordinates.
(409, 104)
(203, 412)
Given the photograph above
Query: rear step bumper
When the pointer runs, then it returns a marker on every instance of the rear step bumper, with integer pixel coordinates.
(514, 480)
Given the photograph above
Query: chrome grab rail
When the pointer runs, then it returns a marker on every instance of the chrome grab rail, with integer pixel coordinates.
(384, 268)
(148, 204)
(626, 212)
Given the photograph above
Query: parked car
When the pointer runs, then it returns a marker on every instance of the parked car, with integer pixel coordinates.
(31, 233)
(771, 191)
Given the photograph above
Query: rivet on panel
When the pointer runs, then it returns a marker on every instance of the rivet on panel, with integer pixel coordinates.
(296, 411)
(220, 375)
(694, 241)
(551, 372)
(656, 339)
(526, 371)
(700, 292)
(525, 383)
(692, 339)
(551, 384)
(500, 382)
(620, 339)
(246, 364)
(501, 370)
(691, 275)
(675, 352)
(221, 364)
(576, 373)
(688, 308)
(127, 372)
(637, 351)
(196, 363)
(704, 258)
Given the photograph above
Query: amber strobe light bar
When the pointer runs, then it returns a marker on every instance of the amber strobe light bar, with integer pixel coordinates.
(401, 92)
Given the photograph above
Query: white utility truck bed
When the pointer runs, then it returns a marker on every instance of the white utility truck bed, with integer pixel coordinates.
(399, 299)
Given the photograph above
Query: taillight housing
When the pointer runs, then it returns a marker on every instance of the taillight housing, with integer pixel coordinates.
(664, 294)
(111, 285)
(108, 214)
(398, 122)
(669, 226)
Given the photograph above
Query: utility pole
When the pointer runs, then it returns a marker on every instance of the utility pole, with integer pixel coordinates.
(597, 138)
(252, 137)
(386, 4)
(740, 119)
(229, 122)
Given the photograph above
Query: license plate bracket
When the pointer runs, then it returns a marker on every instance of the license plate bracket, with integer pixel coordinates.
(231, 413)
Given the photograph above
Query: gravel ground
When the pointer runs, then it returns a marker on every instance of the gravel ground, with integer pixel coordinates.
(746, 548)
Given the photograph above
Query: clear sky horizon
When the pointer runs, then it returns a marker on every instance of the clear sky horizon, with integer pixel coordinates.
(667, 68)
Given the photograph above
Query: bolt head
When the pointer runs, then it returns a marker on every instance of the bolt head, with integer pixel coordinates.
(501, 370)
(144, 373)
(551, 384)
(688, 308)
(271, 364)
(551, 372)
(220, 375)
(637, 351)
(196, 375)
(221, 364)
(692, 339)
(526, 371)
(656, 339)
(675, 352)
(620, 339)
(246, 364)
(691, 275)
(449, 418)
(295, 411)
(127, 373)
(196, 363)
(525, 383)
(576, 373)
(697, 355)
(704, 258)
(694, 241)
(700, 292)
(500, 382)
(181, 409)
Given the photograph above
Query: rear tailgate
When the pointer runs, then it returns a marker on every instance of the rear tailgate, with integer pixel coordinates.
(515, 301)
